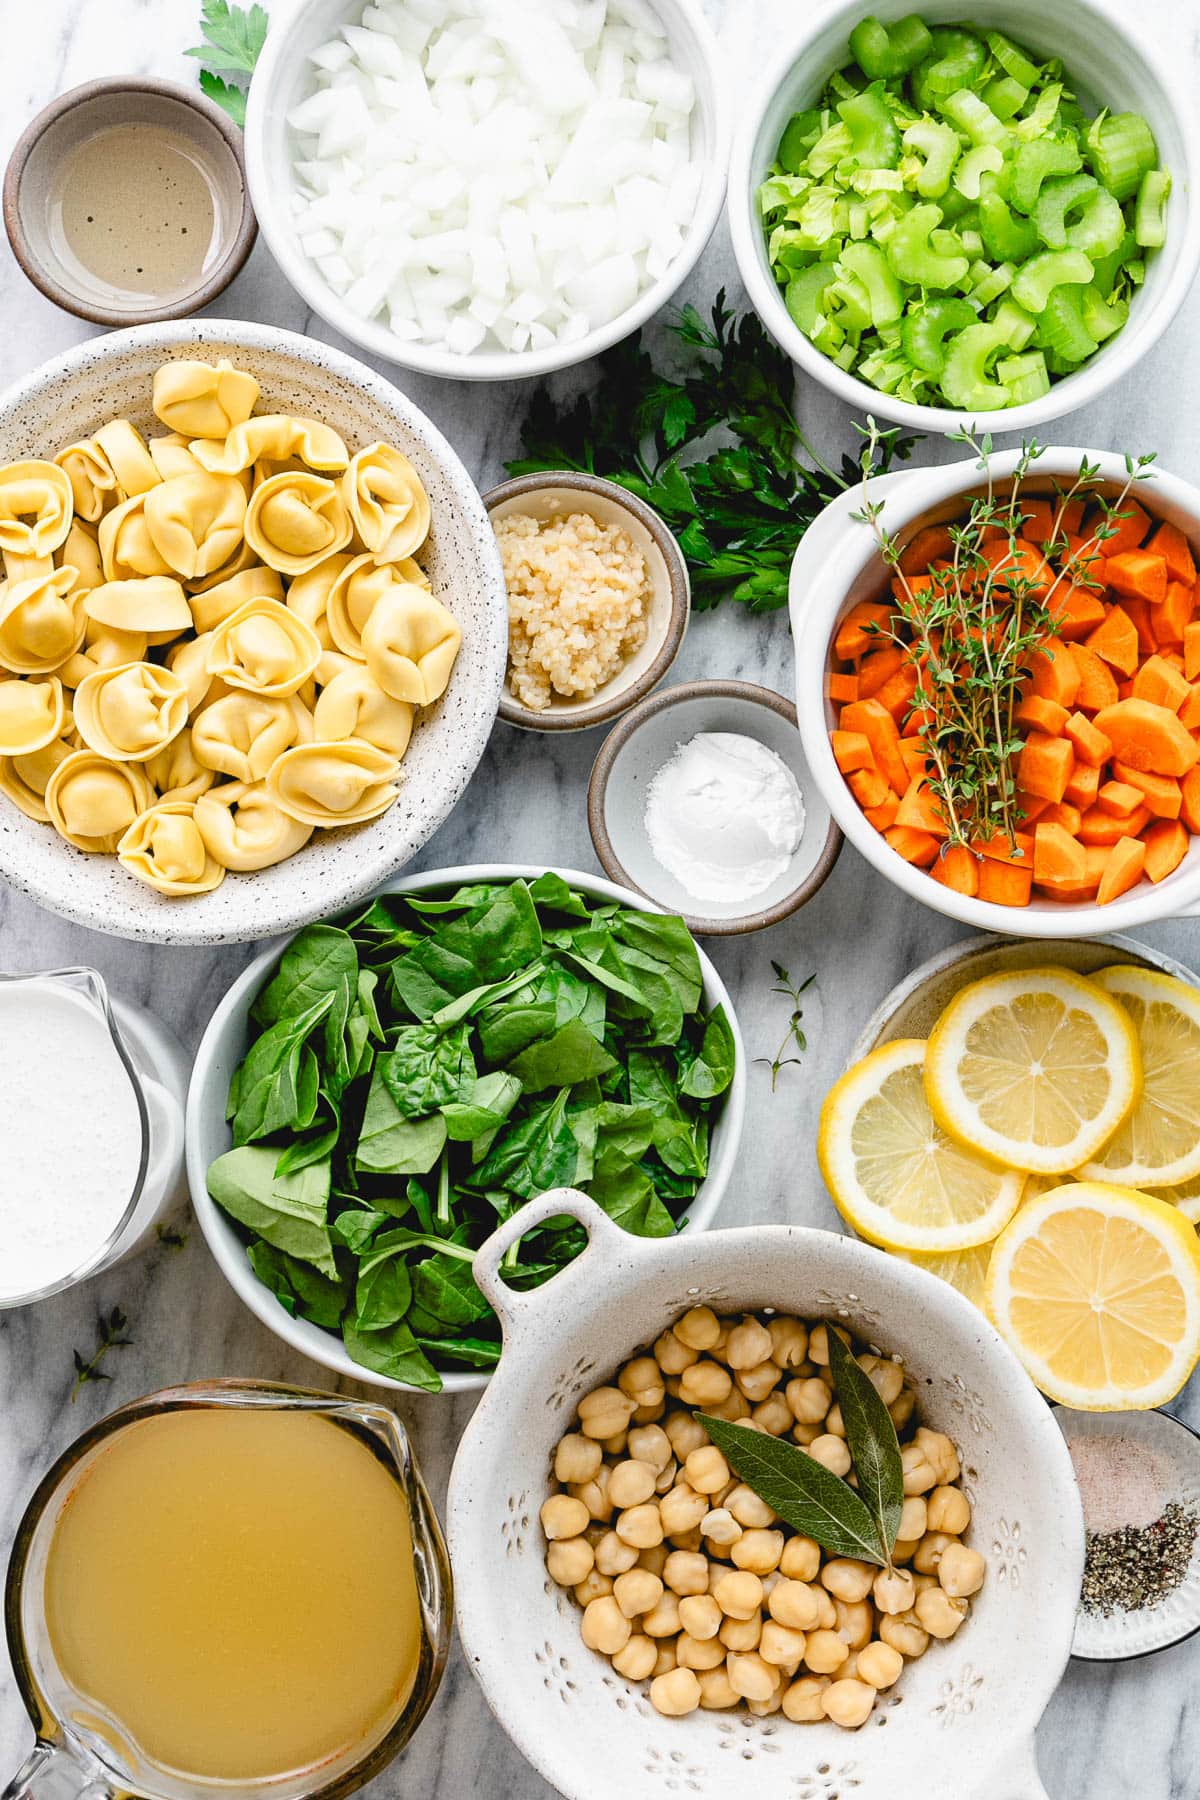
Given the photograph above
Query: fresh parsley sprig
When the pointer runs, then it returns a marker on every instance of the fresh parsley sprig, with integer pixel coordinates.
(233, 37)
(740, 505)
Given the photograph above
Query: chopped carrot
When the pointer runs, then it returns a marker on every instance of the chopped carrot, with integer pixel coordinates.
(1189, 712)
(879, 728)
(1147, 736)
(1129, 528)
(1173, 617)
(876, 666)
(1057, 856)
(1032, 806)
(1161, 794)
(855, 635)
(1099, 827)
(1083, 563)
(1091, 746)
(1069, 516)
(924, 547)
(1045, 764)
(1174, 657)
(1116, 641)
(1189, 810)
(1075, 893)
(1075, 611)
(1037, 713)
(999, 848)
(1166, 844)
(868, 786)
(1037, 519)
(1169, 542)
(1119, 798)
(898, 690)
(1191, 651)
(1124, 870)
(1097, 686)
(920, 810)
(851, 750)
(1019, 564)
(1053, 672)
(884, 814)
(958, 868)
(1156, 680)
(1005, 884)
(918, 721)
(843, 688)
(1138, 573)
(1141, 616)
(1083, 786)
(916, 760)
(1061, 812)
(917, 847)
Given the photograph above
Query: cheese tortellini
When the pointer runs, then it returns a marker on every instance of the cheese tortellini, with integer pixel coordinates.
(215, 637)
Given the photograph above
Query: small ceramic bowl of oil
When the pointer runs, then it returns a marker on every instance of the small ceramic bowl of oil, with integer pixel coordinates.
(125, 201)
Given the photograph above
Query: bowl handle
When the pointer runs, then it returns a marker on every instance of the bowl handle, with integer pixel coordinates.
(1018, 1778)
(605, 1240)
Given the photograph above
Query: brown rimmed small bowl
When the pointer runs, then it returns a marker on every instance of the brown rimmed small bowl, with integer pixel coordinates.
(31, 195)
(544, 495)
(647, 737)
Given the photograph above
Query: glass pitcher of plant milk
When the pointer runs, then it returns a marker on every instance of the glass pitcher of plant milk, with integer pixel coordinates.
(91, 1128)
(232, 1588)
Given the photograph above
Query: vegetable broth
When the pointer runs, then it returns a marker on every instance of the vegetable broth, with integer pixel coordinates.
(135, 209)
(234, 1591)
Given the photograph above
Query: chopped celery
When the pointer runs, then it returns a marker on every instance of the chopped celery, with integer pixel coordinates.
(913, 256)
(1107, 268)
(1025, 377)
(983, 159)
(974, 118)
(1006, 235)
(1036, 280)
(1061, 326)
(1102, 317)
(1150, 216)
(801, 134)
(1099, 226)
(1032, 164)
(938, 145)
(885, 51)
(1017, 325)
(965, 379)
(925, 332)
(874, 137)
(805, 296)
(1013, 60)
(1006, 97)
(958, 60)
(972, 243)
(992, 283)
(853, 298)
(1121, 149)
(870, 264)
(1042, 119)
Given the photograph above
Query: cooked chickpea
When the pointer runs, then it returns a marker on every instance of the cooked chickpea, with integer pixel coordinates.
(563, 1516)
(682, 1509)
(576, 1458)
(735, 1407)
(630, 1483)
(705, 1384)
(758, 1551)
(835, 1425)
(826, 1609)
(919, 1475)
(749, 1511)
(667, 1478)
(905, 1634)
(741, 1634)
(961, 1570)
(795, 1604)
(939, 1613)
(650, 1444)
(615, 1446)
(690, 1541)
(700, 1615)
(699, 1653)
(684, 1434)
(774, 1415)
(805, 1435)
(706, 1470)
(649, 1415)
(914, 1519)
(801, 1559)
(637, 1591)
(832, 1453)
(902, 1408)
(848, 1703)
(640, 1526)
(751, 1677)
(928, 1554)
(747, 1344)
(847, 1579)
(824, 1652)
(604, 1412)
(698, 1329)
(802, 1701)
(782, 1647)
(879, 1664)
(940, 1454)
(758, 1382)
(663, 1619)
(855, 1622)
(637, 1659)
(789, 1342)
(672, 1355)
(762, 1709)
(720, 1528)
(894, 1591)
(686, 1572)
(887, 1378)
(605, 1626)
(593, 1586)
(570, 1561)
(715, 1691)
(949, 1510)
(675, 1693)
(738, 1593)
(809, 1399)
(594, 1493)
(642, 1381)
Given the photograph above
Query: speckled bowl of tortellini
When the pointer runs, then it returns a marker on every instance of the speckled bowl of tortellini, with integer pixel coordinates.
(253, 631)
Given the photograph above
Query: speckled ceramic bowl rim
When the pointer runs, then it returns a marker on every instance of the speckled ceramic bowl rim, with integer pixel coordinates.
(602, 768)
(214, 283)
(612, 700)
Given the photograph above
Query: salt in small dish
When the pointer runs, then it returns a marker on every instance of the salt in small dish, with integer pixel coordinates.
(1172, 1452)
(544, 497)
(644, 741)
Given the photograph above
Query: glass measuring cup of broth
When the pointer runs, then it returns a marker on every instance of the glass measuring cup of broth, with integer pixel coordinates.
(228, 1588)
(91, 1129)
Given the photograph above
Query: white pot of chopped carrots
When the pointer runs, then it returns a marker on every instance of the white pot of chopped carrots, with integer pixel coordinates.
(998, 685)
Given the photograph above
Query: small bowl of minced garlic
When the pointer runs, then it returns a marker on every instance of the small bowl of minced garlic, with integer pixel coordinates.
(598, 599)
(701, 799)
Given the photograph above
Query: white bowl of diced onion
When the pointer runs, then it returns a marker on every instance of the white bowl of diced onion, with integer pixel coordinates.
(489, 193)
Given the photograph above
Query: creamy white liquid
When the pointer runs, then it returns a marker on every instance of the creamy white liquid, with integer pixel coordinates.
(70, 1134)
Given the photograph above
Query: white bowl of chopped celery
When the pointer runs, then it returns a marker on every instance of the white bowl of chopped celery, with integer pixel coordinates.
(966, 211)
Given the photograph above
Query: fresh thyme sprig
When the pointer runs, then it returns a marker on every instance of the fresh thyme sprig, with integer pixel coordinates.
(976, 628)
(111, 1336)
(794, 1036)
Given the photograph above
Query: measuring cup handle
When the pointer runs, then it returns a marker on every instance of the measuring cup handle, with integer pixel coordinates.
(1018, 1778)
(56, 1772)
(605, 1240)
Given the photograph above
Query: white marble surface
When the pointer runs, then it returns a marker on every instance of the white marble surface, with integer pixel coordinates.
(1110, 1733)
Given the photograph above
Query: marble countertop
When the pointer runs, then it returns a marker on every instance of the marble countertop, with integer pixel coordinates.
(1111, 1732)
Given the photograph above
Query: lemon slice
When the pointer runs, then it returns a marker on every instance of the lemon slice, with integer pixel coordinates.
(894, 1174)
(1097, 1289)
(1159, 1143)
(1186, 1197)
(1036, 1069)
(965, 1270)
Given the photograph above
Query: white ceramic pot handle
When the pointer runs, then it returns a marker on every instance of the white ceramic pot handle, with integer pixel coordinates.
(604, 1239)
(1018, 1778)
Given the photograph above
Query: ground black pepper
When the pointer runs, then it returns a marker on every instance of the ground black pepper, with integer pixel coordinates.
(1137, 1566)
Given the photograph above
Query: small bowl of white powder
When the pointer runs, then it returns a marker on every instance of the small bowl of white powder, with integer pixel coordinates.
(701, 799)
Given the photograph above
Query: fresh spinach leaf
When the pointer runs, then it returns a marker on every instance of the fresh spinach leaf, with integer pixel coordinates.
(538, 1152)
(425, 1068)
(394, 1352)
(710, 1071)
(390, 1144)
(493, 1098)
(302, 1290)
(506, 1033)
(289, 1211)
(572, 1055)
(278, 1081)
(383, 1291)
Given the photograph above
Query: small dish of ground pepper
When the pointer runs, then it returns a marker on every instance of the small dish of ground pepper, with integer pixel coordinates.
(1139, 1480)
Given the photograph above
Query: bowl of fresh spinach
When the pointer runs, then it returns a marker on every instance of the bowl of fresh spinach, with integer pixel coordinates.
(372, 1099)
